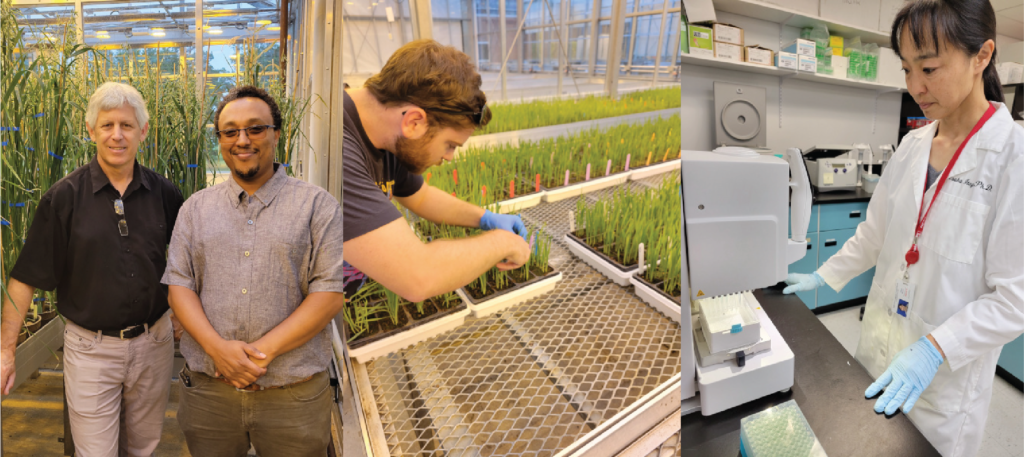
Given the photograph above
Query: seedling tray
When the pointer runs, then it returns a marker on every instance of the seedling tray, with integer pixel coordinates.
(653, 170)
(652, 295)
(615, 271)
(518, 293)
(517, 204)
(580, 188)
(416, 331)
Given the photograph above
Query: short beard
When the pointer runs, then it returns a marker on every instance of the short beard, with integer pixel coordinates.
(412, 153)
(248, 175)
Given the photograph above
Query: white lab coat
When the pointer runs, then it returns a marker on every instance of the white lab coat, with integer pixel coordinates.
(969, 279)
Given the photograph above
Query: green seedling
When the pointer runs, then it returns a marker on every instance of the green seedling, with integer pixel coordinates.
(518, 116)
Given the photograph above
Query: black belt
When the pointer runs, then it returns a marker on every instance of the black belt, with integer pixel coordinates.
(129, 332)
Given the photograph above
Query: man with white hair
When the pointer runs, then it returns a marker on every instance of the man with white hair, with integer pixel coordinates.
(99, 237)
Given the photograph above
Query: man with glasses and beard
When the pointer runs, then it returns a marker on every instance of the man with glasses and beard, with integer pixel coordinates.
(254, 272)
(99, 236)
(424, 103)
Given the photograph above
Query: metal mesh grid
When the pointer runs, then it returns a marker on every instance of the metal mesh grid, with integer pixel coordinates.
(673, 446)
(655, 181)
(533, 379)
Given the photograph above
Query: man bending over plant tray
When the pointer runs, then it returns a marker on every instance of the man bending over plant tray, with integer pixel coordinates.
(99, 236)
(254, 272)
(424, 103)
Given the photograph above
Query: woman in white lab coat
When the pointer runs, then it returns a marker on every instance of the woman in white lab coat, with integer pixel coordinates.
(948, 290)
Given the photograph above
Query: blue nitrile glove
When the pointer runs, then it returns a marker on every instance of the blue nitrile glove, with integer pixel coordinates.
(514, 224)
(803, 283)
(907, 377)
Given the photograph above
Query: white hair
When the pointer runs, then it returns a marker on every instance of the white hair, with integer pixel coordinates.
(112, 95)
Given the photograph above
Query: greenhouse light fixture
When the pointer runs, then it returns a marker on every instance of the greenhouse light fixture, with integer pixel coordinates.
(274, 28)
(215, 31)
(158, 32)
(263, 22)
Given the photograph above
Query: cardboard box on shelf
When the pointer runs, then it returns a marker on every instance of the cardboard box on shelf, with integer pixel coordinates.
(840, 65)
(800, 47)
(858, 13)
(888, 11)
(786, 60)
(726, 51)
(698, 11)
(758, 55)
(699, 39)
(728, 33)
(807, 64)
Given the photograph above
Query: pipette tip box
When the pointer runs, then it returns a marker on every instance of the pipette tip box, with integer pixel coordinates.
(781, 431)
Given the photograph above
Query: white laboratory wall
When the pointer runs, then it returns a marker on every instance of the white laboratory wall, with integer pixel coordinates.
(1009, 49)
(812, 113)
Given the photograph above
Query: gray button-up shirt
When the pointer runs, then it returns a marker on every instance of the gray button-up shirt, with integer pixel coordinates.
(253, 260)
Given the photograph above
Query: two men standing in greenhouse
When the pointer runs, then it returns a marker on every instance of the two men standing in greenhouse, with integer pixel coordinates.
(99, 238)
(252, 271)
(424, 103)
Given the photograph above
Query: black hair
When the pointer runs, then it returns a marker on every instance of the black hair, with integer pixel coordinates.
(965, 24)
(244, 92)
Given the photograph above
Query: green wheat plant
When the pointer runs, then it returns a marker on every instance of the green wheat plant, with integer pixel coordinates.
(518, 116)
(617, 225)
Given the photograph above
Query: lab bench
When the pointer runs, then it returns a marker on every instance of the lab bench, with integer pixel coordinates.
(834, 219)
(828, 385)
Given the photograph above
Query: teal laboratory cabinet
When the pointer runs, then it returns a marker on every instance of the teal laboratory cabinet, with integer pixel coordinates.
(834, 219)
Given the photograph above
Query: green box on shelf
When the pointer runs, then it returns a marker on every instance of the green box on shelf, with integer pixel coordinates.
(700, 40)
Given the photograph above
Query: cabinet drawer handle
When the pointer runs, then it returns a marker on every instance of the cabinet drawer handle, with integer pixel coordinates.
(808, 246)
(854, 214)
(830, 243)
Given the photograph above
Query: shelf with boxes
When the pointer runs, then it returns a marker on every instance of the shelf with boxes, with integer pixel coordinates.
(825, 51)
(694, 59)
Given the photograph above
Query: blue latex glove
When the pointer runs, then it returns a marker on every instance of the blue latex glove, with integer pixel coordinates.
(907, 377)
(803, 283)
(514, 224)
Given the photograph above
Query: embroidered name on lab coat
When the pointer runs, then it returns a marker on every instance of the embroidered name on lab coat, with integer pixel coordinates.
(972, 184)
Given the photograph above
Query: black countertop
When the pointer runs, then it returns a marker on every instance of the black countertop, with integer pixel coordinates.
(841, 196)
(828, 385)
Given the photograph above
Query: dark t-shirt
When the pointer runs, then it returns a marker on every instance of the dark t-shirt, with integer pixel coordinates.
(370, 177)
(104, 281)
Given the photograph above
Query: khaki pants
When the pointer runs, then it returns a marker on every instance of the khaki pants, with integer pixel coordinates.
(220, 421)
(117, 389)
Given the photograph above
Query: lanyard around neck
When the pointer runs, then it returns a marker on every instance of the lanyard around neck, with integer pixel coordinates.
(913, 254)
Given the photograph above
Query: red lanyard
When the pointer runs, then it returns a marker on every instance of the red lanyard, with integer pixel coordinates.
(913, 254)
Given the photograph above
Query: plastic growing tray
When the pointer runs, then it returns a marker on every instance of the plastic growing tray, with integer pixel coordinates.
(728, 322)
(580, 188)
(517, 204)
(781, 431)
(658, 299)
(653, 170)
(417, 331)
(616, 272)
(518, 293)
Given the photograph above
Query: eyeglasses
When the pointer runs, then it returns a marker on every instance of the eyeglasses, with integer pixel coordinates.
(122, 225)
(255, 132)
(479, 118)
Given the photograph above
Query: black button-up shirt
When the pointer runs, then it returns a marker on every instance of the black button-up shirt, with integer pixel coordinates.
(104, 281)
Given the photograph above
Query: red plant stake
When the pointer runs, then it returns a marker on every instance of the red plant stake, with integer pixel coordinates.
(512, 189)
(536, 186)
(483, 191)
(566, 177)
(455, 176)
(608, 169)
(588, 173)
(627, 161)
